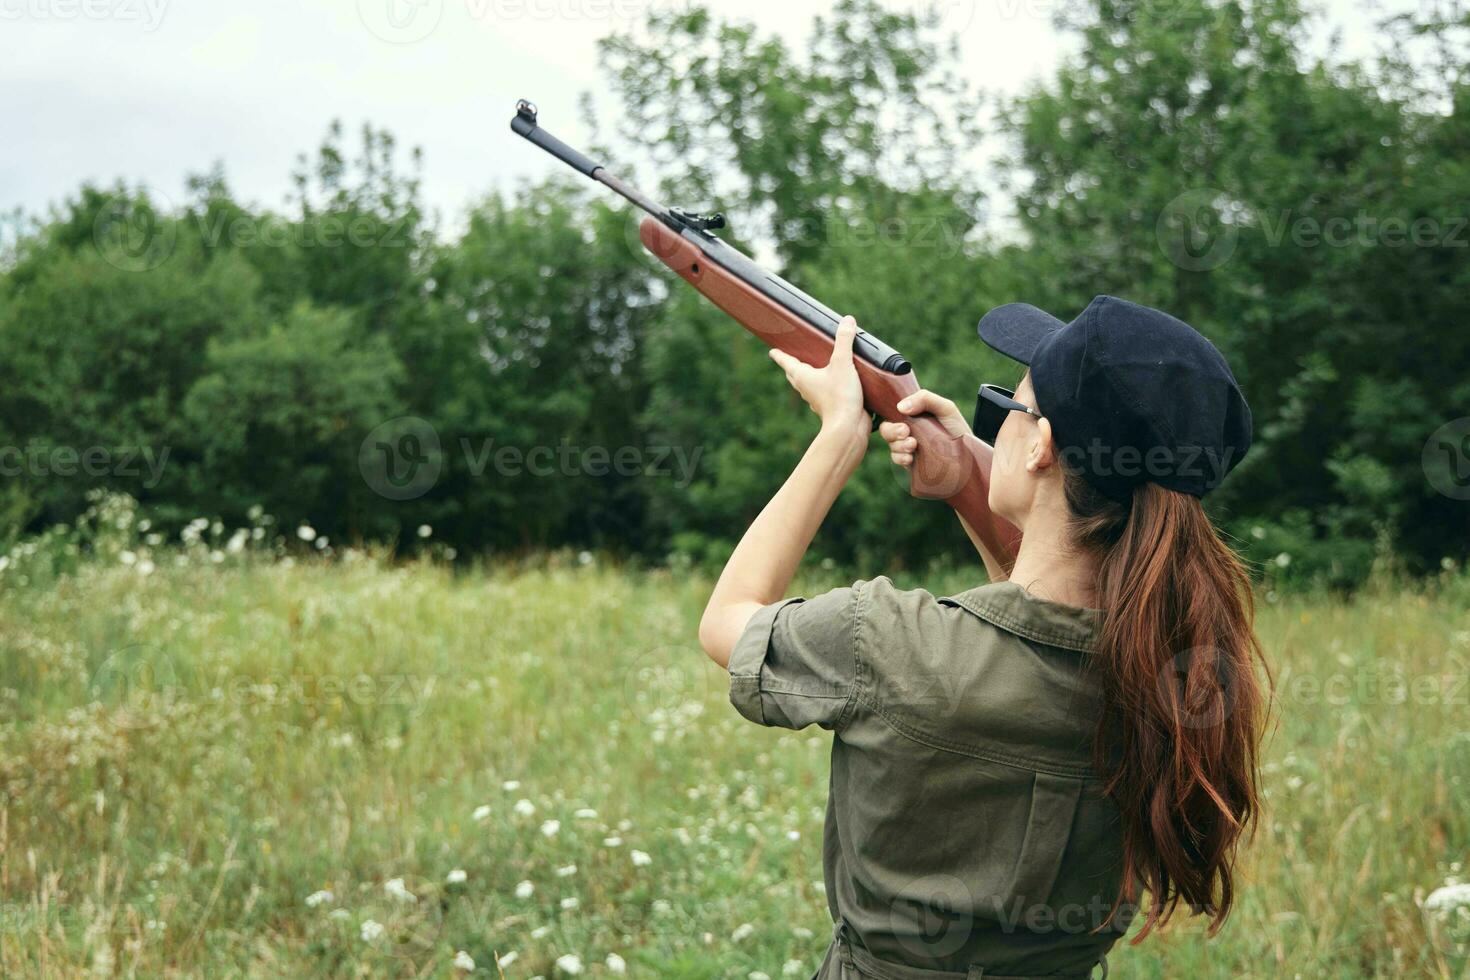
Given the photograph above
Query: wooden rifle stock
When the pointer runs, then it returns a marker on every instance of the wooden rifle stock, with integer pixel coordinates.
(955, 469)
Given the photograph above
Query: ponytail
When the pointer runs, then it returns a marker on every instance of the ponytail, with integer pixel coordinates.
(1183, 709)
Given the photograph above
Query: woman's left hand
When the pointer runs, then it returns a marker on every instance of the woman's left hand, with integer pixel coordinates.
(833, 392)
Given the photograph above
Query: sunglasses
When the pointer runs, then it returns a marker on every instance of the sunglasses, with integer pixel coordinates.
(992, 405)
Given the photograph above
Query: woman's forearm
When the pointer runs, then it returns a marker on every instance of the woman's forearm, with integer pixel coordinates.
(763, 564)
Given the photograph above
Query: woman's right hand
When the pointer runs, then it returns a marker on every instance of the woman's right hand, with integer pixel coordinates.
(902, 446)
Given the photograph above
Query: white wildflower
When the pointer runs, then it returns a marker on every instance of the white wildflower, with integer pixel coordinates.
(1448, 898)
(661, 907)
(616, 964)
(525, 890)
(306, 532)
(567, 904)
(586, 813)
(757, 975)
(525, 808)
(540, 932)
(456, 877)
(511, 785)
(507, 959)
(395, 888)
(742, 932)
(127, 558)
(792, 968)
(793, 835)
(371, 930)
(641, 859)
(340, 914)
(550, 828)
(612, 842)
(319, 898)
(567, 871)
(464, 961)
(482, 813)
(570, 964)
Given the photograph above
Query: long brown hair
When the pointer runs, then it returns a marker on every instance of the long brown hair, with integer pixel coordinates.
(1183, 708)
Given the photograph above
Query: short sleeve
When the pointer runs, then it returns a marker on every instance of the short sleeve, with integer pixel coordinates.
(796, 663)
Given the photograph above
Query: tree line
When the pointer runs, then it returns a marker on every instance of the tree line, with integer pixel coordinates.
(535, 380)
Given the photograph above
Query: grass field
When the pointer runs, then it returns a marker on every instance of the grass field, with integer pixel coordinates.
(240, 766)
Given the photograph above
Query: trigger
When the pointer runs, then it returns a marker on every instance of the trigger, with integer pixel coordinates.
(877, 421)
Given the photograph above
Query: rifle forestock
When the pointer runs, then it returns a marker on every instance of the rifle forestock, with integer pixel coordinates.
(955, 469)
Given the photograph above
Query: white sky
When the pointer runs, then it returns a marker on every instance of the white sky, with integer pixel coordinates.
(152, 90)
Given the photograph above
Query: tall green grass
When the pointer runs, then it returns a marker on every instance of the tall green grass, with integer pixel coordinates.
(188, 755)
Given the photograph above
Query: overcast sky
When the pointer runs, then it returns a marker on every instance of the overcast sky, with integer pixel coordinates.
(152, 90)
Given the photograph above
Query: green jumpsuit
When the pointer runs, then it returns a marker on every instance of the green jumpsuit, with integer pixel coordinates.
(966, 834)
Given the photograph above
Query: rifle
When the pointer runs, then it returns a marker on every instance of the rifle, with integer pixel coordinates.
(955, 469)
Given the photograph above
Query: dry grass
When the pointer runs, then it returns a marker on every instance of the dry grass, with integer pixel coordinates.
(186, 756)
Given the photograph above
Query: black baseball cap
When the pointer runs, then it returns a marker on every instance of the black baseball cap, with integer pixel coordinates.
(1133, 395)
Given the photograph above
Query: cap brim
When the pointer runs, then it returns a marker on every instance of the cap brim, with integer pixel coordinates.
(1016, 329)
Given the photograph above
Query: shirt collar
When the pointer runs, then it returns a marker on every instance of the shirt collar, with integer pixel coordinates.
(1016, 610)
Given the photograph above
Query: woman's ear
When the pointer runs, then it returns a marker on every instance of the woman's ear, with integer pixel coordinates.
(1042, 452)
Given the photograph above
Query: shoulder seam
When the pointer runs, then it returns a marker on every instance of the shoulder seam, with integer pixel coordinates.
(959, 748)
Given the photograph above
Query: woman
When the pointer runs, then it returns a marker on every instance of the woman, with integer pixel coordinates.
(1014, 767)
